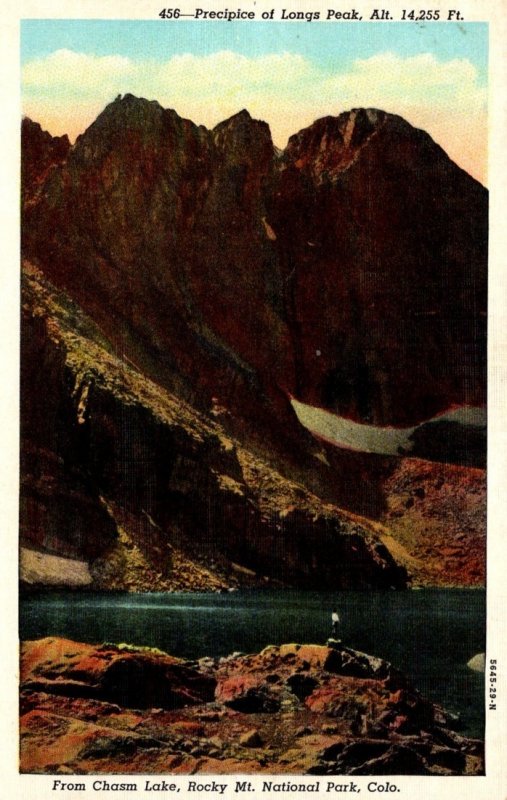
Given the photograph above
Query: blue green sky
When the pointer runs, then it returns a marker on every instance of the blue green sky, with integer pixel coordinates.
(433, 74)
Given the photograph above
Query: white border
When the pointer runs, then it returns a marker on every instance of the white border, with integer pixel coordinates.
(14, 786)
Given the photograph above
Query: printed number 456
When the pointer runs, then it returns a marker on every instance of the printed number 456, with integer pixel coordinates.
(170, 13)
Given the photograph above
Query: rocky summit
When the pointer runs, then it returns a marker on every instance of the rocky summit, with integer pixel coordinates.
(184, 288)
(290, 709)
(349, 271)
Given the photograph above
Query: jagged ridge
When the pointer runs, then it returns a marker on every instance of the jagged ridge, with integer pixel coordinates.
(249, 257)
(348, 272)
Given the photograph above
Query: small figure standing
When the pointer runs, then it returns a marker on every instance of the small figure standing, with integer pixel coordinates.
(335, 619)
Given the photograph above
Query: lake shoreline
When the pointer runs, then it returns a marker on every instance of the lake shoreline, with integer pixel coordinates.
(430, 634)
(40, 589)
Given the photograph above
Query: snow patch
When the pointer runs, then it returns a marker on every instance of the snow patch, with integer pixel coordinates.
(42, 568)
(376, 439)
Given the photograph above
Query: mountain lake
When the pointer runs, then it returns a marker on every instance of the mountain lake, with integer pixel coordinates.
(429, 634)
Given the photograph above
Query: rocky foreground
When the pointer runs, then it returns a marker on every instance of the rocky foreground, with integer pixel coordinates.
(296, 708)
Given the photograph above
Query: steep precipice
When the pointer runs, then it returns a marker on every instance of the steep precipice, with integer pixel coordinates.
(135, 489)
(386, 241)
(40, 152)
(348, 272)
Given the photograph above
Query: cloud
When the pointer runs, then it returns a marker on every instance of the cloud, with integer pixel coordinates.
(420, 79)
(66, 90)
(69, 73)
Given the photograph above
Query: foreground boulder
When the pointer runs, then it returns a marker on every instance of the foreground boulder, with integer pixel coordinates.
(132, 679)
(300, 709)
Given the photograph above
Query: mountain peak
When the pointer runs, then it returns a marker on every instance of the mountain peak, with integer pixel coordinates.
(41, 152)
(331, 144)
(242, 133)
(241, 120)
(357, 244)
(135, 124)
(130, 109)
(244, 114)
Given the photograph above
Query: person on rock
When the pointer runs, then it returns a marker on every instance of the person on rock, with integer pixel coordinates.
(335, 619)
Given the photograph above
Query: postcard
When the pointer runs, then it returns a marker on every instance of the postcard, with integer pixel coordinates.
(254, 421)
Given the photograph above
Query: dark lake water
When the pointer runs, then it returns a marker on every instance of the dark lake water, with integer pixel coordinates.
(428, 634)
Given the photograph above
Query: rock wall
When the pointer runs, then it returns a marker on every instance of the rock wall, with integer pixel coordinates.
(60, 506)
(349, 272)
(40, 153)
(101, 444)
(203, 281)
(385, 243)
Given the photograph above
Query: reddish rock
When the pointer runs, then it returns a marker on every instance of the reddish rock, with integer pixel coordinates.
(386, 238)
(316, 656)
(41, 152)
(247, 693)
(250, 739)
(448, 510)
(132, 679)
(349, 272)
(178, 482)
(250, 259)
(374, 731)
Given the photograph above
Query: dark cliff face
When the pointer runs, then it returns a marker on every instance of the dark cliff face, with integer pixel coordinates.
(389, 265)
(155, 226)
(60, 507)
(107, 454)
(350, 272)
(40, 152)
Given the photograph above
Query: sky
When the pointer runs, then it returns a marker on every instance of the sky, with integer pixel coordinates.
(286, 73)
